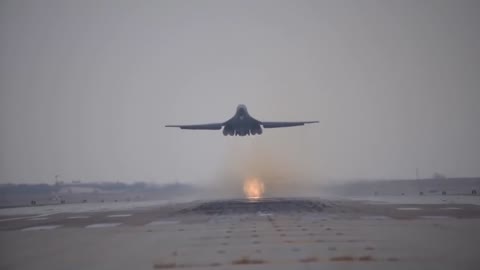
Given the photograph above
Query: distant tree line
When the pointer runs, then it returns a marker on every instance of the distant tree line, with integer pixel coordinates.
(106, 186)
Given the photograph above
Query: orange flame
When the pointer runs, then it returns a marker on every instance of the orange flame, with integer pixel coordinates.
(253, 188)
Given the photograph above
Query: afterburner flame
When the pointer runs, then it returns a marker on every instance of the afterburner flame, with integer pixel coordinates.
(253, 188)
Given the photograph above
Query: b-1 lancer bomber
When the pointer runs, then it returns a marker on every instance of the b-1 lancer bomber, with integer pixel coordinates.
(242, 124)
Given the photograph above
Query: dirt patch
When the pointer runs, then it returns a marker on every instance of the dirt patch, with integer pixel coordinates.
(247, 260)
(365, 258)
(308, 259)
(342, 259)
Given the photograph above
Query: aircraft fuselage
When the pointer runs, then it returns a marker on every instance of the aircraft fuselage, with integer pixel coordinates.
(242, 124)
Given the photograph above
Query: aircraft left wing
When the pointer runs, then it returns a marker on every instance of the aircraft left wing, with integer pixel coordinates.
(212, 126)
(285, 124)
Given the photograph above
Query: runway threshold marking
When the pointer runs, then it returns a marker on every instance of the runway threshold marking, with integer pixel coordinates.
(41, 228)
(102, 225)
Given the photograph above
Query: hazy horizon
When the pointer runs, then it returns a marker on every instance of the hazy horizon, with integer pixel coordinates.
(86, 88)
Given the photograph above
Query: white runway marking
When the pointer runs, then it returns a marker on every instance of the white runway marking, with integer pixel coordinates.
(264, 214)
(16, 218)
(435, 217)
(102, 225)
(29, 217)
(40, 218)
(162, 222)
(409, 208)
(41, 228)
(77, 217)
(119, 215)
(375, 217)
(451, 208)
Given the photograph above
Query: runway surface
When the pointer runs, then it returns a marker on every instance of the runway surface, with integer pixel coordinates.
(242, 234)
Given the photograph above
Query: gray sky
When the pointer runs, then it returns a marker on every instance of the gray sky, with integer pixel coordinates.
(86, 87)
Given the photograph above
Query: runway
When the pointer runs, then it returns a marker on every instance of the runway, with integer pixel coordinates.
(241, 234)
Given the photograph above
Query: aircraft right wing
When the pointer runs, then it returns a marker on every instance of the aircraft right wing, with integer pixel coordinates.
(285, 124)
(212, 126)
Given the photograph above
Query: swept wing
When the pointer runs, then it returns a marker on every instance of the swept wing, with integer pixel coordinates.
(211, 126)
(285, 124)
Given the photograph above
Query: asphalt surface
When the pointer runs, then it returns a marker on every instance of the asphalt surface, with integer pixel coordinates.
(243, 234)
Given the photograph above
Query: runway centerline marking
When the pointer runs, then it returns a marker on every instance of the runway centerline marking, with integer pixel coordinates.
(409, 208)
(102, 225)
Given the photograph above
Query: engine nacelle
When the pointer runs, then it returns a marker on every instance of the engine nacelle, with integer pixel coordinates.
(228, 131)
(256, 130)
